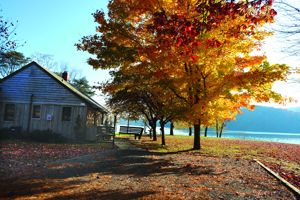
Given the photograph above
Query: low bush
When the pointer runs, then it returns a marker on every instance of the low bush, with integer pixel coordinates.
(11, 133)
(45, 136)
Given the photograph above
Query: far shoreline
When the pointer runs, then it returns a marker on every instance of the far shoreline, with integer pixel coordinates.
(287, 138)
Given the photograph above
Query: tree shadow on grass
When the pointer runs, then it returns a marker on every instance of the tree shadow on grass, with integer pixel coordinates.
(176, 152)
(158, 148)
(64, 190)
(123, 162)
(30, 187)
(120, 163)
(99, 194)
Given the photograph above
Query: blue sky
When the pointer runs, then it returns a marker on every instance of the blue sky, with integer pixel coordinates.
(54, 26)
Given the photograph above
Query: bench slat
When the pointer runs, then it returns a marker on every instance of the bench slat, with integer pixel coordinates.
(136, 131)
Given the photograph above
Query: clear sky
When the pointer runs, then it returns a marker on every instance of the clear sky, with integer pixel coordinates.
(54, 26)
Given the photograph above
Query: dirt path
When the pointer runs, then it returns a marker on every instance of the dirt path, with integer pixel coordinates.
(129, 173)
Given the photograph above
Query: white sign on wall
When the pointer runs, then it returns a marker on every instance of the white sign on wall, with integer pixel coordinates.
(49, 117)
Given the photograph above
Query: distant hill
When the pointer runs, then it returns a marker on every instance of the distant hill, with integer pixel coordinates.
(267, 119)
(294, 109)
(262, 119)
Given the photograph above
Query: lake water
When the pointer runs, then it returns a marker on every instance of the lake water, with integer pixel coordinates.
(291, 138)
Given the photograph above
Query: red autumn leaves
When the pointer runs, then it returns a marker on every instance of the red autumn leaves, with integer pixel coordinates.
(187, 34)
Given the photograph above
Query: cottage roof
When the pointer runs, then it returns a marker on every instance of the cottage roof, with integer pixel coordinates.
(64, 83)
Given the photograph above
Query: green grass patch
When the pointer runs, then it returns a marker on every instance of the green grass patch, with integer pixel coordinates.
(118, 135)
(220, 147)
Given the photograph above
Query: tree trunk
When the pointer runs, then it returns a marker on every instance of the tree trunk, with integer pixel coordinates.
(197, 136)
(151, 129)
(154, 132)
(162, 128)
(221, 129)
(150, 132)
(172, 128)
(217, 128)
(152, 124)
(205, 132)
(190, 131)
(127, 125)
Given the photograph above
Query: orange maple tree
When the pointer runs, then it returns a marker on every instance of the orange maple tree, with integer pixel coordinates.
(140, 95)
(200, 50)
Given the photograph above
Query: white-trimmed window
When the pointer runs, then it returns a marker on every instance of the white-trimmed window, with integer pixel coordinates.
(36, 111)
(9, 112)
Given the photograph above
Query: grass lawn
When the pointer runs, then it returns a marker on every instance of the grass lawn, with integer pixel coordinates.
(282, 158)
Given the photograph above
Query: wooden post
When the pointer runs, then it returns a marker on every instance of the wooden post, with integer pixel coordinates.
(29, 113)
(102, 118)
(127, 125)
(115, 122)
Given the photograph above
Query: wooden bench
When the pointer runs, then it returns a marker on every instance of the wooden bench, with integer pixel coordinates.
(106, 134)
(136, 131)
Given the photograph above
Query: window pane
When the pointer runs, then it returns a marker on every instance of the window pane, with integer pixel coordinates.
(36, 111)
(66, 114)
(9, 112)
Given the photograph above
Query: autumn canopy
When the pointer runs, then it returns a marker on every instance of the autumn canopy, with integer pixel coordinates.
(188, 60)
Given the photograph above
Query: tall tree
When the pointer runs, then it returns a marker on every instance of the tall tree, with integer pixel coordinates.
(287, 26)
(7, 33)
(124, 98)
(201, 51)
(141, 95)
(48, 61)
(11, 61)
(83, 86)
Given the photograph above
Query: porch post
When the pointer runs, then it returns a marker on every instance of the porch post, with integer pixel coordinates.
(102, 118)
(115, 122)
(95, 118)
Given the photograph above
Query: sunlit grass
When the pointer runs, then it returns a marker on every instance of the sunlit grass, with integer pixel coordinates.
(118, 135)
(209, 146)
(283, 154)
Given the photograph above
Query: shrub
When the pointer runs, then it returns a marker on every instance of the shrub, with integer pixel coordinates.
(4, 134)
(45, 136)
(11, 133)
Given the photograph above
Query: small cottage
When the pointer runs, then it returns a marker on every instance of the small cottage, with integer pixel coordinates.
(34, 98)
